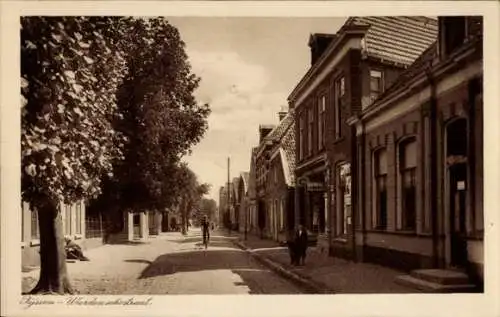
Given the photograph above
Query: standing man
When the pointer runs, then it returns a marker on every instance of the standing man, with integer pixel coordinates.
(205, 228)
(301, 240)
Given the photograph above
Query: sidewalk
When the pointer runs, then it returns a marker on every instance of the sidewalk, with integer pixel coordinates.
(106, 260)
(322, 273)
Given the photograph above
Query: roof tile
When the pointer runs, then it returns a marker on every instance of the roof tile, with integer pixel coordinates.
(397, 39)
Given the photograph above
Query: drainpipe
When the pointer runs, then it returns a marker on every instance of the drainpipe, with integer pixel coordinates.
(354, 190)
(433, 166)
(361, 192)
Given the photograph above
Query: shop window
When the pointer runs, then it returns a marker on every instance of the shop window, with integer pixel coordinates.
(343, 199)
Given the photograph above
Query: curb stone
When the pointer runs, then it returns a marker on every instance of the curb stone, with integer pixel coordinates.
(304, 282)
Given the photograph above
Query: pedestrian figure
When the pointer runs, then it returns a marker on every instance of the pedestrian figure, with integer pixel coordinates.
(292, 248)
(205, 228)
(301, 241)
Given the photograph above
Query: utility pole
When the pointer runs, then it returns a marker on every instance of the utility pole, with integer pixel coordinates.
(246, 220)
(228, 196)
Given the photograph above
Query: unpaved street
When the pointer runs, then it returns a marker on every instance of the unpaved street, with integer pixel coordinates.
(173, 264)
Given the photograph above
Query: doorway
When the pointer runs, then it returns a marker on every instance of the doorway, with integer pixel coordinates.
(458, 194)
(456, 153)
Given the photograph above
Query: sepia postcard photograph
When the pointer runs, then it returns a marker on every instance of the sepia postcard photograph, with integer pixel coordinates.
(341, 157)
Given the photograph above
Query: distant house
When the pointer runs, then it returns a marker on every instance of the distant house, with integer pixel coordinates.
(252, 195)
(244, 202)
(222, 208)
(349, 70)
(276, 163)
(261, 175)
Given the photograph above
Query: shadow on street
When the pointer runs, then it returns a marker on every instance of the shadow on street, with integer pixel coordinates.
(235, 260)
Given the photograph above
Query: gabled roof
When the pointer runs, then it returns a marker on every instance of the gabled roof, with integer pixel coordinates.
(244, 177)
(278, 132)
(287, 149)
(397, 39)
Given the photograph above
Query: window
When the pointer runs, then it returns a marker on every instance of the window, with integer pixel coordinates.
(310, 121)
(282, 215)
(339, 94)
(301, 136)
(67, 220)
(79, 218)
(35, 233)
(321, 122)
(380, 189)
(343, 198)
(376, 84)
(407, 184)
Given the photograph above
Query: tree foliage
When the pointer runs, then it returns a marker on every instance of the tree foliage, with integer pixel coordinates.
(162, 119)
(191, 193)
(107, 110)
(70, 74)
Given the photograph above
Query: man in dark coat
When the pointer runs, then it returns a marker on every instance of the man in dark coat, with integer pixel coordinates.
(292, 248)
(301, 240)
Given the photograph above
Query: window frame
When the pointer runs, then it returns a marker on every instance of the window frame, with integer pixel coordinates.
(310, 130)
(404, 224)
(376, 73)
(379, 222)
(321, 121)
(341, 216)
(339, 93)
(301, 136)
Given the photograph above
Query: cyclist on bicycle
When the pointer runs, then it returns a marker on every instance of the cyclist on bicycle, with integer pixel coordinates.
(205, 228)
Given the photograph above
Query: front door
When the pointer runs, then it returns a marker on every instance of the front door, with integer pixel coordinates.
(458, 194)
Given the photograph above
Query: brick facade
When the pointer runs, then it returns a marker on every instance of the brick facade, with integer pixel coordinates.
(448, 230)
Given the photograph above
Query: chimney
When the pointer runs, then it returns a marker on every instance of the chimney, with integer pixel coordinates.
(264, 131)
(318, 42)
(282, 115)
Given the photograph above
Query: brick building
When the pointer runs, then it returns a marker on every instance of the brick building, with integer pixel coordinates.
(261, 174)
(349, 70)
(421, 159)
(275, 159)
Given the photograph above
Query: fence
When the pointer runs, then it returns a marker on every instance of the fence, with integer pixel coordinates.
(94, 226)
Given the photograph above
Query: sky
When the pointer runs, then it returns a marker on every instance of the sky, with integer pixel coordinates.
(248, 67)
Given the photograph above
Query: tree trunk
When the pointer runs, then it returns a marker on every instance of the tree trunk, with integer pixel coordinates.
(53, 272)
